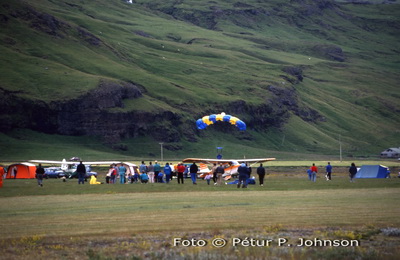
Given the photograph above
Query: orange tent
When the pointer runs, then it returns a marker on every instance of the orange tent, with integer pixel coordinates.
(2, 171)
(21, 170)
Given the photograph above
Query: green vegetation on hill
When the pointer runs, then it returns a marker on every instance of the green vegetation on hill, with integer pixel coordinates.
(302, 75)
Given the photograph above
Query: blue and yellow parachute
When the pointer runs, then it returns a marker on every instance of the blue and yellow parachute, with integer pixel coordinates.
(205, 121)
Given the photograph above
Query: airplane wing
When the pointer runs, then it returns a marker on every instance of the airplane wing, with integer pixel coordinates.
(84, 162)
(102, 162)
(51, 162)
(256, 160)
(201, 160)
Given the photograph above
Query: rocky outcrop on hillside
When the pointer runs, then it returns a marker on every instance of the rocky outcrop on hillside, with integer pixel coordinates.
(96, 114)
(46, 23)
(329, 51)
(276, 110)
(240, 13)
(93, 114)
(39, 21)
(90, 114)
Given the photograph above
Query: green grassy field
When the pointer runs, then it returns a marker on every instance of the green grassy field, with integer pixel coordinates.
(135, 221)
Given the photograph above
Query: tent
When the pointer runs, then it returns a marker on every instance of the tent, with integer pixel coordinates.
(23, 171)
(2, 171)
(372, 171)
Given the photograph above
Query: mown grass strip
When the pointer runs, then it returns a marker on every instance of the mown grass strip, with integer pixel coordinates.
(78, 214)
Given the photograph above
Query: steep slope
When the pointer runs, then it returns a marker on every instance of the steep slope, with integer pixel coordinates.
(301, 75)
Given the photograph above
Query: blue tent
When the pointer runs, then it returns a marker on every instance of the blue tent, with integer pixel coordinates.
(372, 171)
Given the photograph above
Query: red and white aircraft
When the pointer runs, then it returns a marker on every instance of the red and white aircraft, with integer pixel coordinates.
(231, 165)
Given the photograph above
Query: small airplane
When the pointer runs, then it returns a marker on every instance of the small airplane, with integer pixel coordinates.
(65, 165)
(70, 166)
(231, 165)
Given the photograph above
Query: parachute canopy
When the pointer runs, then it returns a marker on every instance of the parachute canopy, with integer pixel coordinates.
(205, 121)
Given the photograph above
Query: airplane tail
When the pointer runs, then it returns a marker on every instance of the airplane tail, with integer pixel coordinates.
(204, 167)
(64, 166)
(229, 171)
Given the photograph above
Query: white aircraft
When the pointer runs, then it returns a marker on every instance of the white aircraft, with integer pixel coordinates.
(231, 165)
(68, 166)
(64, 163)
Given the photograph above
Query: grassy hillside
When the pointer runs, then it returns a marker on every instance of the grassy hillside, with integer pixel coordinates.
(192, 57)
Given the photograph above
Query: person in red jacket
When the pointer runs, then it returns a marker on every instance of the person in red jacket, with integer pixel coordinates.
(314, 171)
(181, 169)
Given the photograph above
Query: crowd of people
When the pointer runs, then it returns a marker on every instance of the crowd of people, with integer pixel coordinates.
(155, 173)
(151, 173)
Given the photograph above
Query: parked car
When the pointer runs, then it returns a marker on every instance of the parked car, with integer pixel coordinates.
(53, 172)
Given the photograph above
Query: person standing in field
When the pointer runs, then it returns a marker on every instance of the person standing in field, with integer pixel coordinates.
(39, 175)
(261, 174)
(249, 170)
(143, 168)
(81, 171)
(220, 171)
(173, 170)
(180, 169)
(193, 173)
(186, 172)
(109, 173)
(352, 172)
(113, 174)
(167, 172)
(150, 171)
(157, 169)
(122, 172)
(328, 169)
(309, 172)
(214, 173)
(314, 171)
(243, 175)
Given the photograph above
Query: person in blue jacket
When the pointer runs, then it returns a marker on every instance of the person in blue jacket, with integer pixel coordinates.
(122, 172)
(144, 178)
(243, 175)
(309, 172)
(143, 168)
(328, 170)
(160, 177)
(167, 172)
